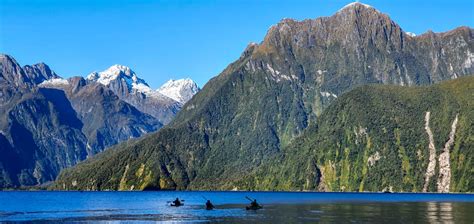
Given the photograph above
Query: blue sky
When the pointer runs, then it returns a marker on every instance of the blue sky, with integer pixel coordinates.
(162, 40)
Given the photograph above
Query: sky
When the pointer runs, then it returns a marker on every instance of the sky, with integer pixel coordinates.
(162, 40)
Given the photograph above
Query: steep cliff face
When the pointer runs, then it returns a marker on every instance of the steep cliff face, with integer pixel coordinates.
(12, 75)
(107, 119)
(39, 73)
(40, 135)
(360, 45)
(250, 112)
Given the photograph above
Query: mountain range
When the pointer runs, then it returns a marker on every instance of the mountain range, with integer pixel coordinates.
(48, 123)
(294, 112)
(162, 104)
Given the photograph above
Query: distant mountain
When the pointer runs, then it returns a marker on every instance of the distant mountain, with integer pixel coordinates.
(162, 105)
(48, 123)
(181, 90)
(106, 119)
(250, 114)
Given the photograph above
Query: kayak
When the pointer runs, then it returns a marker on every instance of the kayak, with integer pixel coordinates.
(177, 205)
(253, 207)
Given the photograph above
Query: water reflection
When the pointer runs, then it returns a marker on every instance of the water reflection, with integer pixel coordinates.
(440, 212)
(426, 212)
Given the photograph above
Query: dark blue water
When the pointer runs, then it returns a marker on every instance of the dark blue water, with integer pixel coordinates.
(279, 207)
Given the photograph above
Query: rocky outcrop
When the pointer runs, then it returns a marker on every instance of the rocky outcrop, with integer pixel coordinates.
(444, 178)
(430, 170)
(12, 75)
(39, 73)
(373, 158)
(444, 174)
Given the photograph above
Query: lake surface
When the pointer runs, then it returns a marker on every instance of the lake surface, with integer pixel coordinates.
(279, 207)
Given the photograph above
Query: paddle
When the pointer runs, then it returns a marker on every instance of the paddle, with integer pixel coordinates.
(248, 198)
(204, 198)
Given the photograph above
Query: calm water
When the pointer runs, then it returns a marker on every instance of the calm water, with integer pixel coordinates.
(279, 207)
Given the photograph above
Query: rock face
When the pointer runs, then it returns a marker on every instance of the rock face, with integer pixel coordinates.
(48, 123)
(12, 75)
(250, 113)
(360, 45)
(107, 119)
(39, 73)
(430, 170)
(135, 91)
(39, 131)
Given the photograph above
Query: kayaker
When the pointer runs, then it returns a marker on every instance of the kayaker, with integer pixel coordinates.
(254, 204)
(209, 205)
(177, 202)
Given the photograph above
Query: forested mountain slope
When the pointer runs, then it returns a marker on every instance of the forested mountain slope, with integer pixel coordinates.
(378, 138)
(245, 116)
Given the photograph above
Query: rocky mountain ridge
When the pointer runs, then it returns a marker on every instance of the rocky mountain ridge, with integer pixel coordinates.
(162, 104)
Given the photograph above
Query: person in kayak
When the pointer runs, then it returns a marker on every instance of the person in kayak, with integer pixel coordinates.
(209, 205)
(254, 204)
(177, 202)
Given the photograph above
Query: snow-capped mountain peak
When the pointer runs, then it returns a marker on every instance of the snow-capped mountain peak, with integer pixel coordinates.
(120, 73)
(180, 90)
(115, 72)
(411, 34)
(117, 77)
(354, 5)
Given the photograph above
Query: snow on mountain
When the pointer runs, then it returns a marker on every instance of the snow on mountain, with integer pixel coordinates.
(354, 4)
(411, 34)
(180, 90)
(112, 73)
(55, 82)
(122, 73)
